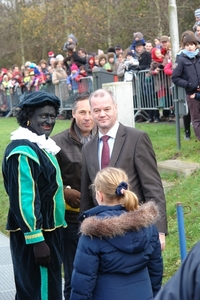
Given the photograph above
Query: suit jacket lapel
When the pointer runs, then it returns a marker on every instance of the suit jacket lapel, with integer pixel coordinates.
(94, 153)
(118, 144)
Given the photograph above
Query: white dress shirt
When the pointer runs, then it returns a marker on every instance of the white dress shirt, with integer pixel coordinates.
(112, 134)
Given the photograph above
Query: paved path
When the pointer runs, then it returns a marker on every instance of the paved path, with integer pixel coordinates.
(7, 286)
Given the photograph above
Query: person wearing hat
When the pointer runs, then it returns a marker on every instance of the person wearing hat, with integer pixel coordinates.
(79, 57)
(164, 40)
(71, 43)
(197, 18)
(50, 55)
(142, 55)
(33, 182)
(71, 82)
(197, 33)
(138, 36)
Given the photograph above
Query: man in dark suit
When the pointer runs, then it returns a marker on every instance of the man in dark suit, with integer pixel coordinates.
(130, 150)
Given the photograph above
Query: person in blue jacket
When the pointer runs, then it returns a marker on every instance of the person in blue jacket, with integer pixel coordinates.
(185, 284)
(119, 254)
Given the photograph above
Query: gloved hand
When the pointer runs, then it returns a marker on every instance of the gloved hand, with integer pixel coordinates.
(72, 197)
(42, 254)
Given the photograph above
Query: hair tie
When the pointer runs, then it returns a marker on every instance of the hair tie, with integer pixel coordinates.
(120, 188)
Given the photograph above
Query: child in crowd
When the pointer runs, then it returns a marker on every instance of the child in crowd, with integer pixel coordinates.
(110, 65)
(43, 66)
(130, 64)
(168, 71)
(96, 62)
(31, 83)
(49, 75)
(197, 18)
(6, 87)
(155, 68)
(50, 55)
(157, 42)
(120, 243)
(138, 36)
(90, 65)
(82, 83)
(71, 43)
(119, 66)
(26, 80)
(102, 60)
(6, 84)
(71, 82)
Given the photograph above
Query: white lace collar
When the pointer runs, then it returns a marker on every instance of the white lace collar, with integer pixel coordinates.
(47, 144)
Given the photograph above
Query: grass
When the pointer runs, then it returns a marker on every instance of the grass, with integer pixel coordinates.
(185, 190)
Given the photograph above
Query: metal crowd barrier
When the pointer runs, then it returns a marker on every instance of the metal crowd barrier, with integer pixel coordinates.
(68, 96)
(10, 101)
(151, 92)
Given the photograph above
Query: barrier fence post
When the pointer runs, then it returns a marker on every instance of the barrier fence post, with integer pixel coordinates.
(178, 136)
(181, 230)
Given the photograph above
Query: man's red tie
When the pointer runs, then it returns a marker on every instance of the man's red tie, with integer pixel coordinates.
(105, 156)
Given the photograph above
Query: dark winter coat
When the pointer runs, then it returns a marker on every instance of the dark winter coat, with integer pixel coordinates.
(144, 60)
(118, 255)
(187, 73)
(184, 285)
(70, 162)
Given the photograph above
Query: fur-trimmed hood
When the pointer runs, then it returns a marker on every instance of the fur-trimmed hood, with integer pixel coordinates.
(111, 226)
(122, 229)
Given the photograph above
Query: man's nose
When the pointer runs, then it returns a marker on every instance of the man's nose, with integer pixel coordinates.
(87, 116)
(102, 113)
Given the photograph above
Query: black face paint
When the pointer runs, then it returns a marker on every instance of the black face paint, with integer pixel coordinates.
(43, 120)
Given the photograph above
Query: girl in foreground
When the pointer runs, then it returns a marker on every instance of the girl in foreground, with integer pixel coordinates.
(118, 255)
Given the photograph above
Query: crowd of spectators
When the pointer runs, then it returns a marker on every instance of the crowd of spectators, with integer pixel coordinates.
(141, 55)
(77, 64)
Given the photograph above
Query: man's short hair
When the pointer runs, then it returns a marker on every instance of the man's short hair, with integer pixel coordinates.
(80, 97)
(82, 50)
(101, 93)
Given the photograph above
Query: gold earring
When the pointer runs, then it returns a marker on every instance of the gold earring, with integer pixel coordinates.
(28, 123)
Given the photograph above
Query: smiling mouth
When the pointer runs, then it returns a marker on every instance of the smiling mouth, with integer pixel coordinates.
(47, 127)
